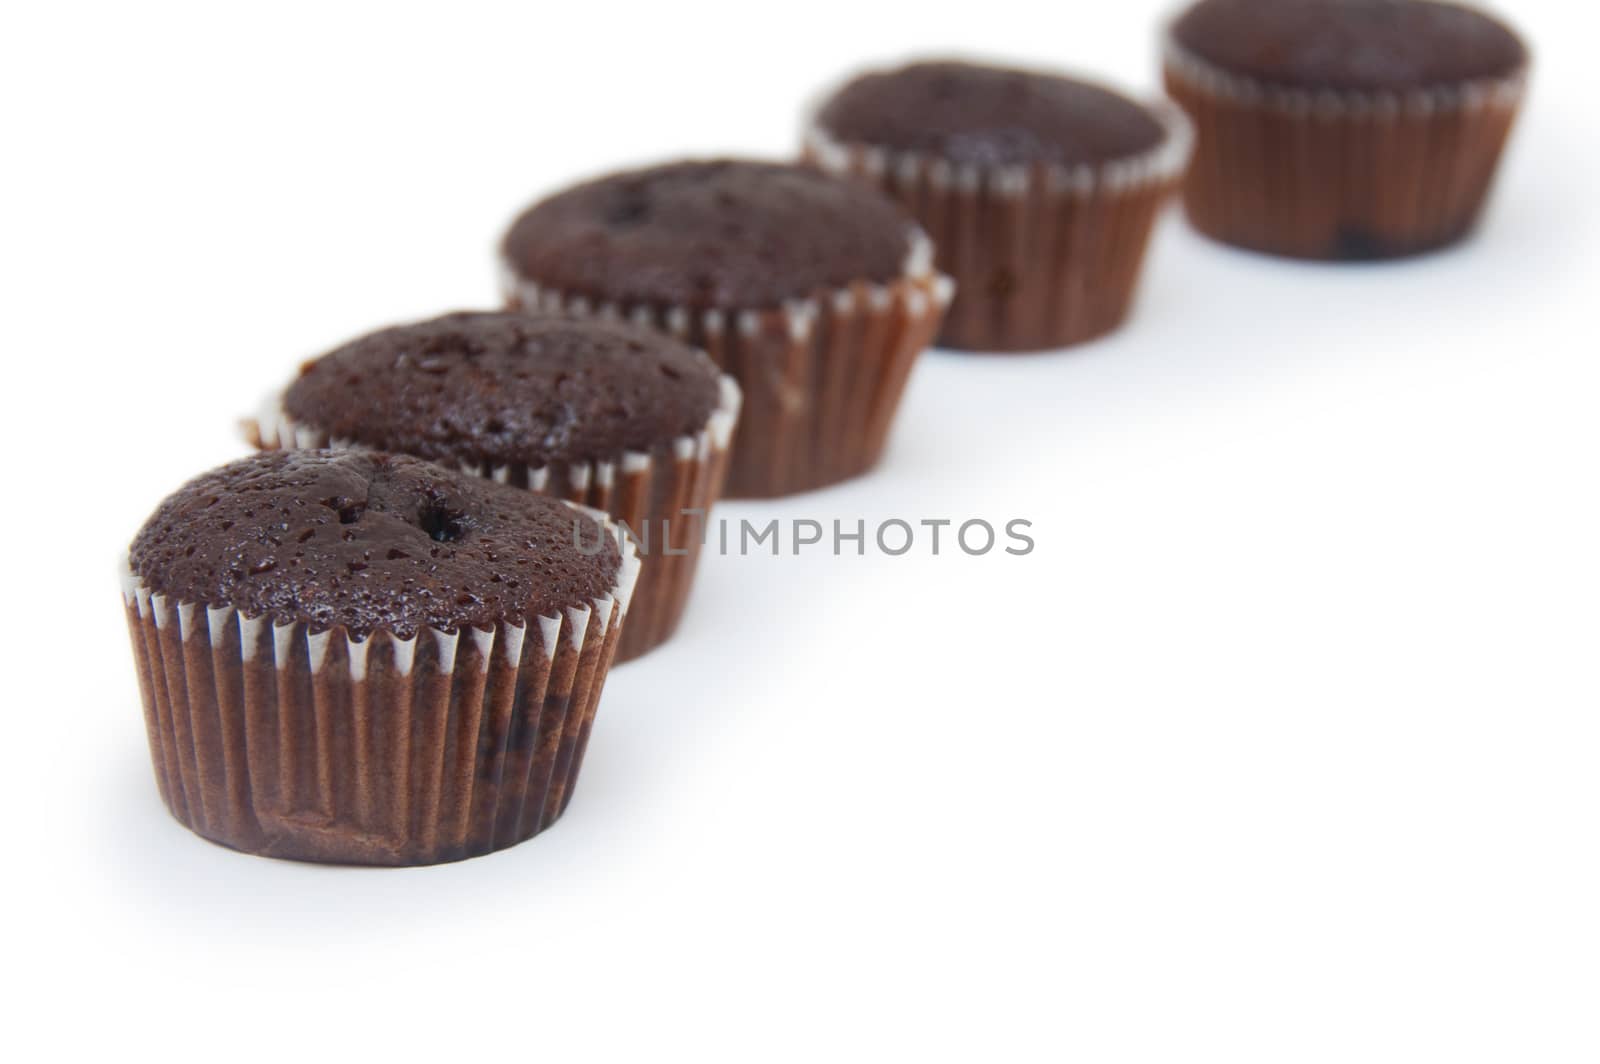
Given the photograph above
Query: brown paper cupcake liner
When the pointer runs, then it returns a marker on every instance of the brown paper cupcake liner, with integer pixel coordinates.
(1339, 174)
(662, 496)
(1042, 255)
(285, 742)
(822, 377)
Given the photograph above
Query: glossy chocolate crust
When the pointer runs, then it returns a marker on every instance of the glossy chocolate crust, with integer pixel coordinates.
(722, 234)
(504, 388)
(368, 541)
(1373, 45)
(988, 116)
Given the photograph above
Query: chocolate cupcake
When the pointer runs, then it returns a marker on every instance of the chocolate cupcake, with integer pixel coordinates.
(601, 413)
(1343, 129)
(367, 659)
(1040, 192)
(816, 295)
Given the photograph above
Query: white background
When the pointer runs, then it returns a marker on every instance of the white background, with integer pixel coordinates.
(1282, 745)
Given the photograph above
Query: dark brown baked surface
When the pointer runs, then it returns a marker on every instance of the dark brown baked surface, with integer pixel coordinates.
(505, 388)
(989, 116)
(722, 234)
(369, 541)
(1375, 45)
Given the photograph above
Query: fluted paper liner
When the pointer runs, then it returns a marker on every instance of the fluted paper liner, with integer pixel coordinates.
(1043, 255)
(1339, 174)
(822, 377)
(281, 741)
(663, 496)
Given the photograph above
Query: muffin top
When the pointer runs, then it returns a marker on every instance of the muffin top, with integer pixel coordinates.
(989, 116)
(369, 541)
(504, 388)
(1374, 45)
(723, 234)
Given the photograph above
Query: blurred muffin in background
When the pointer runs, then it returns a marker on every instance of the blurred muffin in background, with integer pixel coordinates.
(1040, 192)
(815, 294)
(1343, 129)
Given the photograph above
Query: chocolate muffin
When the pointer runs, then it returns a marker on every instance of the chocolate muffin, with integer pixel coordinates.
(1040, 191)
(364, 658)
(1343, 129)
(815, 294)
(607, 414)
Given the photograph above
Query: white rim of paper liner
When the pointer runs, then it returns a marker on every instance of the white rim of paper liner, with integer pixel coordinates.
(799, 314)
(1476, 94)
(186, 615)
(1160, 165)
(274, 430)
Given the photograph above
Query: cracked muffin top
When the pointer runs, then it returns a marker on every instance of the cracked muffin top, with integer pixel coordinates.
(503, 388)
(367, 541)
(723, 234)
(1372, 45)
(989, 116)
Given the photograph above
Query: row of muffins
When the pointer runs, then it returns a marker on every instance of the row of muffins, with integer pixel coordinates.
(382, 639)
